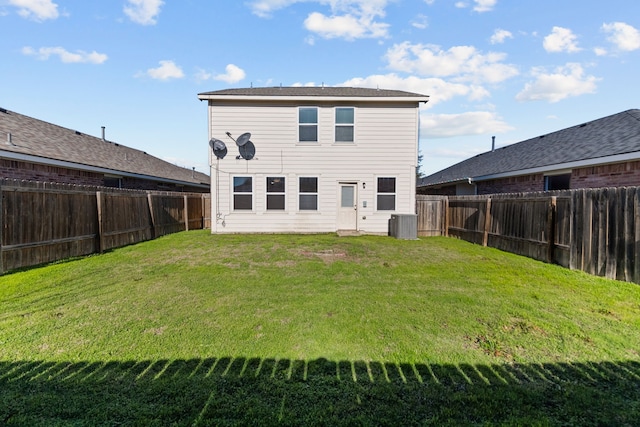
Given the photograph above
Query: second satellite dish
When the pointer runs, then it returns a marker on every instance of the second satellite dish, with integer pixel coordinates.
(243, 139)
(219, 148)
(247, 150)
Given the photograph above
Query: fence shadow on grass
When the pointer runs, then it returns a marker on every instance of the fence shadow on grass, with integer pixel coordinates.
(241, 391)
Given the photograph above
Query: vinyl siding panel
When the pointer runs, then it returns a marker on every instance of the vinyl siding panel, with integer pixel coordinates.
(386, 144)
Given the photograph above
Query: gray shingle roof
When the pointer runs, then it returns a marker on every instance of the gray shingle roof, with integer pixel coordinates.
(34, 137)
(612, 135)
(326, 91)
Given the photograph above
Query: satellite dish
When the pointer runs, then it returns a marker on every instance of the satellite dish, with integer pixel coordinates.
(243, 139)
(219, 148)
(247, 150)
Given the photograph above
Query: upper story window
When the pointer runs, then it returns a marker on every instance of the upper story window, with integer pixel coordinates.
(386, 194)
(242, 193)
(308, 124)
(275, 193)
(344, 124)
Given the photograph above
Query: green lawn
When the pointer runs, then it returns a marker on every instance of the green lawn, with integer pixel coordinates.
(193, 329)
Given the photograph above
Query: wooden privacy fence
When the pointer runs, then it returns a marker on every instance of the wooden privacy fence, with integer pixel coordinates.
(45, 222)
(593, 230)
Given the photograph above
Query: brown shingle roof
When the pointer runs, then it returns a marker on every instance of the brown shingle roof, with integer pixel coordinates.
(34, 137)
(618, 134)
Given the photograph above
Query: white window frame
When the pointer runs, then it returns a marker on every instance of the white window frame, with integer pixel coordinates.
(306, 193)
(336, 125)
(385, 193)
(276, 193)
(316, 124)
(242, 193)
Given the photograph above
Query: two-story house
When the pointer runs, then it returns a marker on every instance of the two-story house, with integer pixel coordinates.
(311, 159)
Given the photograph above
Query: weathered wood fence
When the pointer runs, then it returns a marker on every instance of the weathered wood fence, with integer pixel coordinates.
(46, 222)
(593, 230)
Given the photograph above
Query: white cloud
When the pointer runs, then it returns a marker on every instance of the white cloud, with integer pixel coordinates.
(233, 74)
(500, 35)
(421, 22)
(561, 40)
(65, 56)
(348, 26)
(166, 71)
(464, 124)
(600, 51)
(439, 90)
(480, 5)
(623, 36)
(349, 19)
(564, 82)
(37, 10)
(484, 5)
(264, 8)
(144, 12)
(462, 63)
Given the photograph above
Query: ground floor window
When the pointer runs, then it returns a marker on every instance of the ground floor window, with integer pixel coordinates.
(386, 194)
(308, 196)
(557, 182)
(242, 193)
(275, 193)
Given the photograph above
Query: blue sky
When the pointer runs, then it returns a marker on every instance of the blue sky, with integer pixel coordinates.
(513, 69)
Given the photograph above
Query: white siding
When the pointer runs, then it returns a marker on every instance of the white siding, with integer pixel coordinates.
(386, 144)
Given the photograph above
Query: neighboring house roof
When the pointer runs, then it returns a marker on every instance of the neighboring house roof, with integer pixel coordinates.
(607, 140)
(41, 142)
(313, 93)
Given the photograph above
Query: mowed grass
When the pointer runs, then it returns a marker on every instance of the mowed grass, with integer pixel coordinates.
(196, 329)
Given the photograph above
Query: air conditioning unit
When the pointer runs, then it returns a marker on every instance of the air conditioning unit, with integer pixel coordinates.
(404, 226)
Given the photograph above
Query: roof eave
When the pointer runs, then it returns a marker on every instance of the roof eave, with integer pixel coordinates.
(79, 166)
(617, 158)
(408, 99)
(467, 180)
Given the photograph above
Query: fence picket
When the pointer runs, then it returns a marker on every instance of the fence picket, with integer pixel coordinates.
(593, 230)
(46, 222)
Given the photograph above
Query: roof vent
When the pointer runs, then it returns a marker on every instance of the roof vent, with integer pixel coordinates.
(9, 141)
(103, 134)
(78, 133)
(583, 125)
(2, 110)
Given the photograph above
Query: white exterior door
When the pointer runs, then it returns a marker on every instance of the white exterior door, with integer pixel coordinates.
(347, 206)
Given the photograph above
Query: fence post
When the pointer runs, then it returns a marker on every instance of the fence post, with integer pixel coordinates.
(551, 230)
(446, 217)
(487, 223)
(186, 213)
(152, 213)
(204, 210)
(100, 207)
